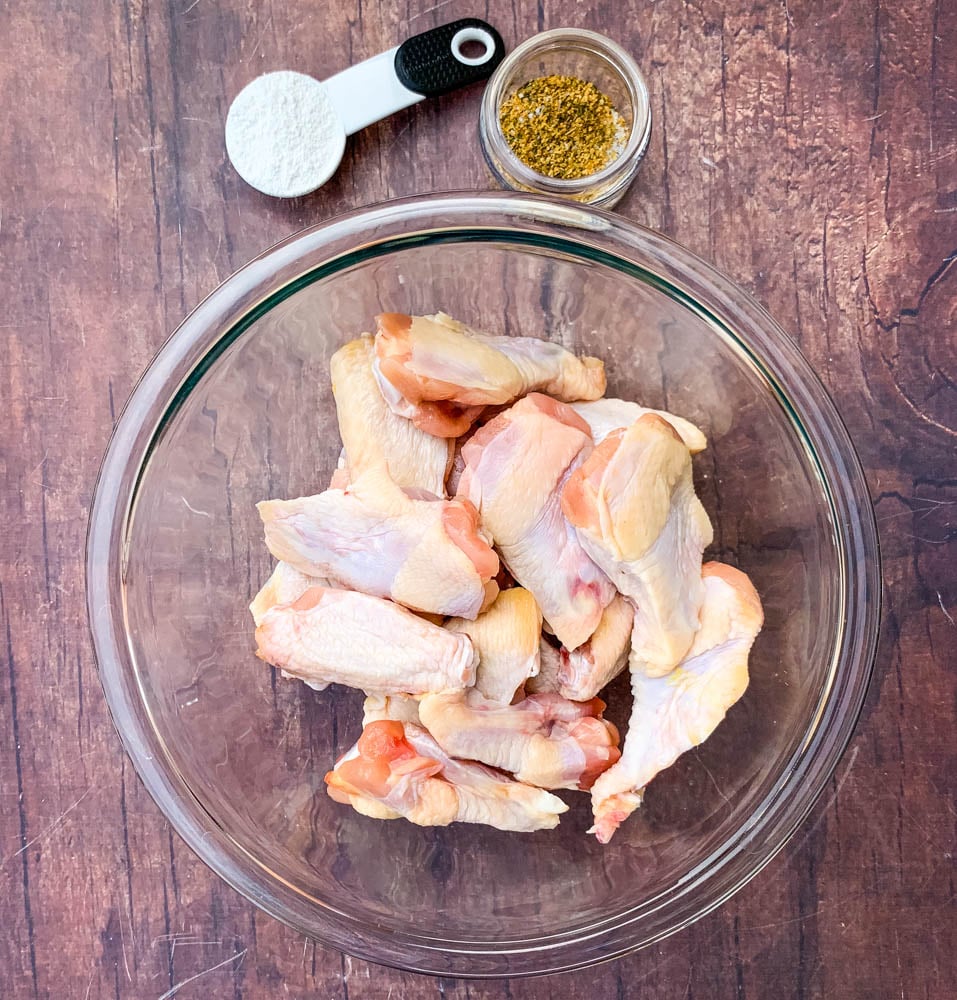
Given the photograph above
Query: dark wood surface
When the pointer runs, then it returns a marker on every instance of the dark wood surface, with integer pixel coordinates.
(807, 147)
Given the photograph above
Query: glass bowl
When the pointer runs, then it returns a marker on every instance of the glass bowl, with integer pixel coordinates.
(237, 406)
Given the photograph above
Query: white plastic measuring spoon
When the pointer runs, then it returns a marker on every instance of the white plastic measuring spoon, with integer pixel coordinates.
(286, 132)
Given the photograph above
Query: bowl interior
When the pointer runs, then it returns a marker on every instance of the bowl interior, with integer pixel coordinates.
(259, 421)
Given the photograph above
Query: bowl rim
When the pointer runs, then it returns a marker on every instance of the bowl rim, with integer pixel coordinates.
(589, 234)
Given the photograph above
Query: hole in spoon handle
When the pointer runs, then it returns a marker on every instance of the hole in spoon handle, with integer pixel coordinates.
(435, 62)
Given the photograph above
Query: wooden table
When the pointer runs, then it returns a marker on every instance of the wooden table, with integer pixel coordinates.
(808, 148)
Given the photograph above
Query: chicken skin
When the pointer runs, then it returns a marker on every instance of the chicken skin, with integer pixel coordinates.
(549, 666)
(441, 374)
(583, 672)
(340, 637)
(390, 707)
(426, 554)
(544, 740)
(506, 638)
(633, 504)
(285, 585)
(515, 467)
(398, 770)
(606, 415)
(674, 713)
(372, 435)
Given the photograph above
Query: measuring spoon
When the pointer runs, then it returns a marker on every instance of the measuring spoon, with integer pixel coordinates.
(286, 131)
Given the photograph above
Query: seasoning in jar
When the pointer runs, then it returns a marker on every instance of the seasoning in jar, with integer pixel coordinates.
(563, 127)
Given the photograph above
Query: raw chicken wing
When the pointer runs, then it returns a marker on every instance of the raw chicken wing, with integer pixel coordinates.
(506, 639)
(514, 470)
(426, 554)
(583, 672)
(397, 770)
(672, 714)
(634, 506)
(606, 415)
(375, 437)
(340, 637)
(440, 373)
(544, 740)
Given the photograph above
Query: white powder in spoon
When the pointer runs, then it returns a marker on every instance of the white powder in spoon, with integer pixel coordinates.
(283, 134)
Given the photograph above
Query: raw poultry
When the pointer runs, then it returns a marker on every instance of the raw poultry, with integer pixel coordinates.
(482, 627)
(544, 739)
(584, 671)
(505, 638)
(341, 637)
(399, 770)
(633, 504)
(674, 713)
(441, 373)
(515, 467)
(606, 415)
(373, 436)
(429, 555)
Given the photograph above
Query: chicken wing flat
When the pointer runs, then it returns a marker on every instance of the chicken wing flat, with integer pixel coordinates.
(506, 638)
(633, 504)
(285, 585)
(515, 467)
(372, 435)
(429, 555)
(340, 637)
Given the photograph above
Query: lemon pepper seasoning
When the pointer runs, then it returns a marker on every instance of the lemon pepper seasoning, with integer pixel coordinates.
(562, 127)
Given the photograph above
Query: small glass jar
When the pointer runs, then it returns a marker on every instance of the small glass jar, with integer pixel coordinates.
(588, 56)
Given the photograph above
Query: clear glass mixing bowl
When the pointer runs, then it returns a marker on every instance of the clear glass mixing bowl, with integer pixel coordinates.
(237, 406)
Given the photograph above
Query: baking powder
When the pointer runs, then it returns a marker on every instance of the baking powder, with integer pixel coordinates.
(283, 134)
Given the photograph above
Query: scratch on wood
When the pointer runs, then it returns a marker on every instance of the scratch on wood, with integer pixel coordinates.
(259, 41)
(202, 513)
(175, 989)
(126, 962)
(429, 10)
(21, 810)
(59, 820)
(947, 614)
(405, 128)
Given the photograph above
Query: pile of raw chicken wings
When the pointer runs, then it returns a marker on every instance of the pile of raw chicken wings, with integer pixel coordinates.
(499, 542)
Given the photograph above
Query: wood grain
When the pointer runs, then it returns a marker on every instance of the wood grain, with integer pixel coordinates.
(808, 148)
